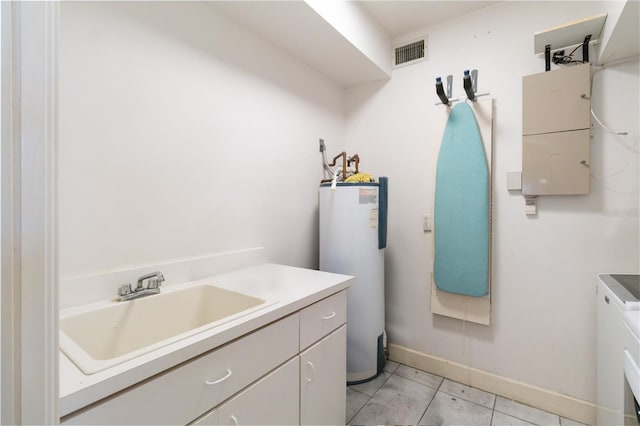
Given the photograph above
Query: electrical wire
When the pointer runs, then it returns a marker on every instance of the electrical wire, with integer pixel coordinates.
(602, 68)
(634, 147)
(593, 114)
(567, 59)
(616, 173)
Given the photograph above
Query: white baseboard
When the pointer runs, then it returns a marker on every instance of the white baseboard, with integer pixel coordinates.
(544, 399)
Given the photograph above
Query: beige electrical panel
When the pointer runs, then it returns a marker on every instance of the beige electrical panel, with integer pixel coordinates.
(556, 120)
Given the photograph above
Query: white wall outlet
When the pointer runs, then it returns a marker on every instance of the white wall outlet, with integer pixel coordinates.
(530, 206)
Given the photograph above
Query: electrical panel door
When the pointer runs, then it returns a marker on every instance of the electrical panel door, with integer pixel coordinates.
(556, 122)
(556, 101)
(556, 163)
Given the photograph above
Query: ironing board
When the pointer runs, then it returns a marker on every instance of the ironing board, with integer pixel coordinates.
(461, 210)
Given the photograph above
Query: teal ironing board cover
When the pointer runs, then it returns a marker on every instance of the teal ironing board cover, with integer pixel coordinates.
(461, 215)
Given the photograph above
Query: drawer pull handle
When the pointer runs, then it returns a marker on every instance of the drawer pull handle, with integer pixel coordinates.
(234, 420)
(310, 377)
(220, 380)
(331, 315)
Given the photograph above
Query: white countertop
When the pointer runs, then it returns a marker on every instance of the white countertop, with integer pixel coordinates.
(292, 289)
(620, 296)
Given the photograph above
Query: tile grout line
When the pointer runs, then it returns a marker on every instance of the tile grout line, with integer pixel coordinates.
(447, 393)
(360, 409)
(470, 401)
(415, 381)
(432, 398)
(493, 409)
(525, 420)
(370, 396)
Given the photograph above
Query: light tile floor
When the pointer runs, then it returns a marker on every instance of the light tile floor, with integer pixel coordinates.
(402, 395)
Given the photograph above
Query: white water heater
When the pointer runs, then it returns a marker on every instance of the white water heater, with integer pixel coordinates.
(353, 225)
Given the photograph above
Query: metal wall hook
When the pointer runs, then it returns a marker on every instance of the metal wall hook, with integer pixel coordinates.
(474, 80)
(440, 91)
(470, 84)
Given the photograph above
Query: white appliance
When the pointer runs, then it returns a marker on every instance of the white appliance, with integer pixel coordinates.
(352, 241)
(618, 352)
(632, 368)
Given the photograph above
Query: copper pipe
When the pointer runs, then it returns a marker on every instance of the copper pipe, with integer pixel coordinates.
(343, 154)
(356, 159)
(345, 162)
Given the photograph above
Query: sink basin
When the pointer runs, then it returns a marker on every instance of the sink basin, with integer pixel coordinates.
(115, 332)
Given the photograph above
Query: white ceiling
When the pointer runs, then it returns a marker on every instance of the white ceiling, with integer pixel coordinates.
(403, 17)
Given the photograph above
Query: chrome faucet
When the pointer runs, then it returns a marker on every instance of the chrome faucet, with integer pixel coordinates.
(125, 292)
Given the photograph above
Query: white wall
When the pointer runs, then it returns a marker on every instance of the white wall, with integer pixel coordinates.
(181, 135)
(544, 267)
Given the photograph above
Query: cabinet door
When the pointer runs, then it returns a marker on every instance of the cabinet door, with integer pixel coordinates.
(557, 100)
(323, 380)
(556, 163)
(273, 400)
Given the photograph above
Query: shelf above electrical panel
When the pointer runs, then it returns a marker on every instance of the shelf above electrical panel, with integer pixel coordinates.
(569, 34)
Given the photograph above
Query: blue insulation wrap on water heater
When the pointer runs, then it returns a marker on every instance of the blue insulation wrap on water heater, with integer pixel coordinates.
(383, 186)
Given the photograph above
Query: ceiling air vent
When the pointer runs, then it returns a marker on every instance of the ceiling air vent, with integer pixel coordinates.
(410, 53)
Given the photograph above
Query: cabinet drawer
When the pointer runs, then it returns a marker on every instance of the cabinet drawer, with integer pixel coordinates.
(273, 400)
(183, 393)
(321, 318)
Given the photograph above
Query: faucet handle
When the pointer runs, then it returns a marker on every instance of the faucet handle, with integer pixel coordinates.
(154, 284)
(124, 290)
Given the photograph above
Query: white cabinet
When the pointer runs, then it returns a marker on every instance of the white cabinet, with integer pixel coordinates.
(609, 359)
(185, 392)
(252, 380)
(556, 163)
(556, 101)
(323, 380)
(273, 400)
(556, 124)
(323, 361)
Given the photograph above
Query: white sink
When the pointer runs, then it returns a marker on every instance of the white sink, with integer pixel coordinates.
(111, 333)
